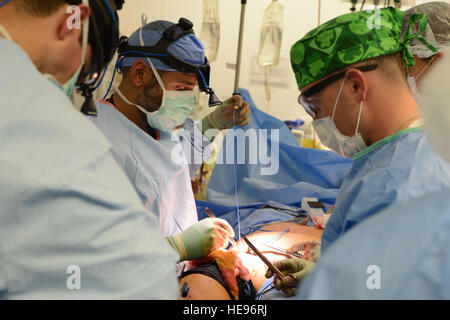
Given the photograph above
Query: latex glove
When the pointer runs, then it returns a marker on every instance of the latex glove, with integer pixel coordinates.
(222, 117)
(312, 250)
(294, 270)
(201, 238)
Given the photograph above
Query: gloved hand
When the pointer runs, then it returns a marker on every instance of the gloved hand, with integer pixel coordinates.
(294, 270)
(312, 250)
(222, 117)
(201, 238)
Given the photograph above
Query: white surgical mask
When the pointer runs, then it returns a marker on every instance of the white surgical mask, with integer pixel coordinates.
(412, 81)
(413, 87)
(5, 33)
(331, 137)
(172, 113)
(175, 107)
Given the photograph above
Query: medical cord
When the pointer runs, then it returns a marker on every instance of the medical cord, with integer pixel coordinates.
(280, 235)
(101, 79)
(112, 79)
(264, 289)
(4, 3)
(362, 5)
(235, 175)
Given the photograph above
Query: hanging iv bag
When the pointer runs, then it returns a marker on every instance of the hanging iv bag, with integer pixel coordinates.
(210, 32)
(270, 40)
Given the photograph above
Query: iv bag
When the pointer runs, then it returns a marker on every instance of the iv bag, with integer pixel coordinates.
(271, 33)
(210, 32)
(144, 19)
(270, 40)
(398, 4)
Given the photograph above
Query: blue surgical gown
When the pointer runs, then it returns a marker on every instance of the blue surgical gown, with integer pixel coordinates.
(282, 171)
(157, 168)
(402, 252)
(66, 202)
(393, 170)
(196, 146)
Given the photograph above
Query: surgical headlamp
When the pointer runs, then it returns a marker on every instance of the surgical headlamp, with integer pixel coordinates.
(104, 39)
(159, 52)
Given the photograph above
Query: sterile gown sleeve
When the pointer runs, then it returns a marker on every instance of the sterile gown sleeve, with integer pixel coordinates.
(71, 224)
(400, 253)
(399, 169)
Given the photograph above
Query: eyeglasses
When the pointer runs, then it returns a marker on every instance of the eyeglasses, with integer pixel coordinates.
(309, 106)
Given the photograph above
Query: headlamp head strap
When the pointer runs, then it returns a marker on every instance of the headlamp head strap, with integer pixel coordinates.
(104, 39)
(159, 51)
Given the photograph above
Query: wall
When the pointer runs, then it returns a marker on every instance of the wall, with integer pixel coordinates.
(300, 16)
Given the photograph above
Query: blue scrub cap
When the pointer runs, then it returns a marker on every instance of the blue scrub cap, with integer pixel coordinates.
(187, 48)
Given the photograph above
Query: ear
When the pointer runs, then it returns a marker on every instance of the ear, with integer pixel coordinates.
(140, 73)
(358, 84)
(72, 19)
(438, 56)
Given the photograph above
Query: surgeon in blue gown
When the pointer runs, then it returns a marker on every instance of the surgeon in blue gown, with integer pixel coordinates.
(355, 114)
(66, 203)
(393, 162)
(71, 224)
(402, 252)
(147, 121)
(400, 166)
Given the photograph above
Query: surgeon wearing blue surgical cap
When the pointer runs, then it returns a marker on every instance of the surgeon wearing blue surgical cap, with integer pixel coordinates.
(146, 118)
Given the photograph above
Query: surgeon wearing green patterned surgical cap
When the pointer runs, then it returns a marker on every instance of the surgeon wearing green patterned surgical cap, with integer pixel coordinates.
(352, 75)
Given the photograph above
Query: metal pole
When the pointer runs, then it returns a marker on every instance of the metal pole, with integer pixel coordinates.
(318, 15)
(239, 53)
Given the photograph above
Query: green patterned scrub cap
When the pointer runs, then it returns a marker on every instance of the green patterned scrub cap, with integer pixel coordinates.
(352, 38)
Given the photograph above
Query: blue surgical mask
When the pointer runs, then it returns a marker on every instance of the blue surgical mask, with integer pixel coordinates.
(68, 87)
